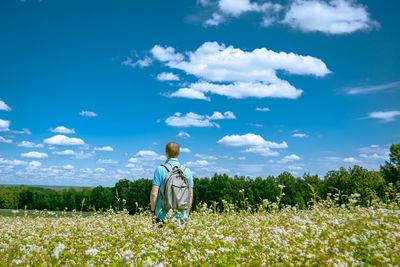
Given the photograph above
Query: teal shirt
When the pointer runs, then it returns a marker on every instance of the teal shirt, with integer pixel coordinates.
(159, 179)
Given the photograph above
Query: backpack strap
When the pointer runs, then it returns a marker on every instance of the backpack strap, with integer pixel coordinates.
(182, 168)
(167, 166)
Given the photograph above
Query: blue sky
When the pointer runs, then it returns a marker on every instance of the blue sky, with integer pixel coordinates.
(91, 91)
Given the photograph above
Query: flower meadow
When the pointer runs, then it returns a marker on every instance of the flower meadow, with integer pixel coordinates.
(327, 233)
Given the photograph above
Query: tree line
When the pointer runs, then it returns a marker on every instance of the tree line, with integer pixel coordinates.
(134, 195)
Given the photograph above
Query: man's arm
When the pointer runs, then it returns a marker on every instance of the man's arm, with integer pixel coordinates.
(153, 199)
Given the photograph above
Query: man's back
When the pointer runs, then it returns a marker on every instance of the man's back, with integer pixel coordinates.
(159, 180)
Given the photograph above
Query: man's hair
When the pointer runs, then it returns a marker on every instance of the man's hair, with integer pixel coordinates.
(172, 149)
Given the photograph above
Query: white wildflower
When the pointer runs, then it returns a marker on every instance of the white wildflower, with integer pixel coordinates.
(91, 252)
(58, 250)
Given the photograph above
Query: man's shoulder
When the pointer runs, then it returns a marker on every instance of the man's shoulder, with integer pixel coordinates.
(160, 168)
(187, 170)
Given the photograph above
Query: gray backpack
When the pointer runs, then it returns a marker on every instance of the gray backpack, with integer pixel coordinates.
(176, 194)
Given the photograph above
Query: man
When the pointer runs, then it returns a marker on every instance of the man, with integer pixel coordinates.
(172, 151)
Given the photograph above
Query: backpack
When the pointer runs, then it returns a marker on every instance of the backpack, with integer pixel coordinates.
(176, 193)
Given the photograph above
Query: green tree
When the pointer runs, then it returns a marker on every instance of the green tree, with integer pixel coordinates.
(391, 170)
(288, 180)
(101, 198)
(369, 184)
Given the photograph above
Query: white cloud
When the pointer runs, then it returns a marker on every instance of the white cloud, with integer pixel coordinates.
(106, 161)
(62, 140)
(236, 8)
(350, 160)
(300, 135)
(268, 21)
(243, 140)
(167, 76)
(141, 62)
(83, 155)
(88, 114)
(239, 90)
(256, 125)
(262, 151)
(241, 158)
(374, 156)
(211, 157)
(29, 144)
(295, 168)
(3, 140)
(374, 152)
(254, 143)
(123, 172)
(4, 106)
(14, 162)
(104, 148)
(204, 2)
(24, 131)
(289, 158)
(215, 20)
(220, 63)
(4, 125)
(205, 157)
(62, 129)
(244, 74)
(34, 164)
(370, 89)
(34, 155)
(228, 115)
(192, 119)
(102, 170)
(384, 116)
(84, 147)
(191, 93)
(135, 168)
(373, 149)
(183, 135)
(68, 167)
(185, 150)
(198, 163)
(166, 54)
(67, 152)
(264, 109)
(146, 155)
(131, 165)
(333, 17)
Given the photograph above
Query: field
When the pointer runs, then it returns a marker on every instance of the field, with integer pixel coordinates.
(35, 213)
(325, 234)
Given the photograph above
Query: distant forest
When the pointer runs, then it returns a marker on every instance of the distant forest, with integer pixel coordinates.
(135, 195)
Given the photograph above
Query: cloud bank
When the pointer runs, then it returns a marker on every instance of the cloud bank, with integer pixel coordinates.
(234, 73)
(330, 17)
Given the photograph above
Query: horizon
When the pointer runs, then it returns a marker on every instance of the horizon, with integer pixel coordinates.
(91, 92)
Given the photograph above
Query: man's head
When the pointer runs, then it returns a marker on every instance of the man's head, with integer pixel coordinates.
(172, 150)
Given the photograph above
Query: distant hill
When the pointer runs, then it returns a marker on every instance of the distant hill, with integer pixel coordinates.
(54, 187)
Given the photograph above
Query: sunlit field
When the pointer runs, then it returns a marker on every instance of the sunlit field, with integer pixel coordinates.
(325, 234)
